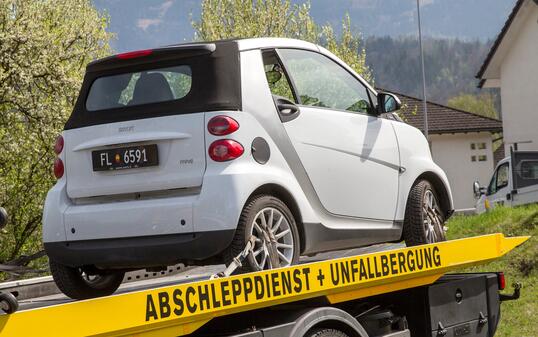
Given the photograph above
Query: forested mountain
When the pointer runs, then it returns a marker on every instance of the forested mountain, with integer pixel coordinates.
(450, 65)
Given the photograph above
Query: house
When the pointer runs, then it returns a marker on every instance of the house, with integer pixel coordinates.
(512, 66)
(461, 144)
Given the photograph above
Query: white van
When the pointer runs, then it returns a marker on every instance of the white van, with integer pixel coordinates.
(514, 182)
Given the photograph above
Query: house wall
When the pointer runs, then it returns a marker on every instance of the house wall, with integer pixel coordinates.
(452, 152)
(519, 84)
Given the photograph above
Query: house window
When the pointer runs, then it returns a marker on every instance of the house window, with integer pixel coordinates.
(476, 156)
(478, 146)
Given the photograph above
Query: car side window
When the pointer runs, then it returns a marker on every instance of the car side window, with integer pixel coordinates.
(277, 78)
(502, 176)
(492, 187)
(322, 82)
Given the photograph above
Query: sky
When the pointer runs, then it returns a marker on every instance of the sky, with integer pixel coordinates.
(140, 24)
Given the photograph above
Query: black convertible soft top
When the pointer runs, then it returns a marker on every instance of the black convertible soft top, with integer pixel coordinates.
(215, 82)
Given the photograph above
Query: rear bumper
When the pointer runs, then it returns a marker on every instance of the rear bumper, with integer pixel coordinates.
(140, 252)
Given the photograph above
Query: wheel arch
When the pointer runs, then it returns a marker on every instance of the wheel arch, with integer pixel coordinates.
(328, 318)
(283, 194)
(440, 188)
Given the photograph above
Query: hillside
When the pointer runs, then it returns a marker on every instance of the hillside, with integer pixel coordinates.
(520, 265)
(450, 64)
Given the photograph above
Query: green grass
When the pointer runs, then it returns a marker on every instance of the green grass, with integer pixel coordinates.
(518, 318)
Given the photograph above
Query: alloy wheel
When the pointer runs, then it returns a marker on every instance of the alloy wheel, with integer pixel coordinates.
(272, 233)
(433, 221)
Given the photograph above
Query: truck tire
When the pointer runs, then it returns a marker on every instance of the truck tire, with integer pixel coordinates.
(424, 220)
(326, 333)
(261, 212)
(78, 285)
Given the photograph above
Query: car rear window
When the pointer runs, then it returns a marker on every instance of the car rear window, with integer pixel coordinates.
(173, 80)
(137, 88)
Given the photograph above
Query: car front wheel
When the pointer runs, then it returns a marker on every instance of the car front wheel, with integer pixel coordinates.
(79, 284)
(424, 220)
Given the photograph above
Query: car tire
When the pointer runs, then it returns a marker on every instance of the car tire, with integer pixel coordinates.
(8, 303)
(424, 219)
(74, 283)
(326, 333)
(286, 236)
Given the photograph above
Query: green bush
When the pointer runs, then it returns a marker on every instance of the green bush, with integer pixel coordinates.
(44, 48)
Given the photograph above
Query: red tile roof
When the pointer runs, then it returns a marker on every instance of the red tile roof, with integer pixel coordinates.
(443, 119)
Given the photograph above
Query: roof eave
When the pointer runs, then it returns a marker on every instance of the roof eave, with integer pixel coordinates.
(490, 83)
(498, 40)
(441, 132)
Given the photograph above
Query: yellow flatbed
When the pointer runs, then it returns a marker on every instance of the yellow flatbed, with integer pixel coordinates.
(180, 310)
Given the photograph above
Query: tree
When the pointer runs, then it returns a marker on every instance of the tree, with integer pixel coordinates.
(44, 47)
(483, 104)
(224, 19)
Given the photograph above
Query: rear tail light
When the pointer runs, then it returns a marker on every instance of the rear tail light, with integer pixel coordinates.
(501, 280)
(58, 168)
(225, 150)
(222, 125)
(134, 54)
(59, 145)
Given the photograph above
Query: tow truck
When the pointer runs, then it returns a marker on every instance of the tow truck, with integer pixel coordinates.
(393, 293)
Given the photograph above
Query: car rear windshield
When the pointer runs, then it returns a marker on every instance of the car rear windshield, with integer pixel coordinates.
(137, 88)
(173, 80)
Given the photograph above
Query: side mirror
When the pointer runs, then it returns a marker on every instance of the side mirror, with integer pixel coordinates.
(273, 76)
(477, 190)
(387, 102)
(3, 217)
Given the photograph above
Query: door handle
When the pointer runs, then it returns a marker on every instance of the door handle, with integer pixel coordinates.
(287, 110)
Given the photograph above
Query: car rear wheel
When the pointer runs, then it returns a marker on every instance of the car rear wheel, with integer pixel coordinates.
(424, 220)
(276, 239)
(79, 284)
(8, 303)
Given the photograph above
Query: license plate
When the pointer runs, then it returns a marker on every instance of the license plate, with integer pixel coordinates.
(125, 158)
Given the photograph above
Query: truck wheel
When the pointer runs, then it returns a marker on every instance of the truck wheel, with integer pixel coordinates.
(77, 284)
(326, 333)
(424, 220)
(272, 224)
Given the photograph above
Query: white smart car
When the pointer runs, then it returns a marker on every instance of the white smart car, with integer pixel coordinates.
(183, 153)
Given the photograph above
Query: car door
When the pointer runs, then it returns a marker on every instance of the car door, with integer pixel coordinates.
(351, 157)
(498, 187)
